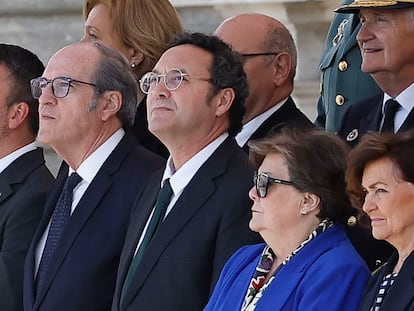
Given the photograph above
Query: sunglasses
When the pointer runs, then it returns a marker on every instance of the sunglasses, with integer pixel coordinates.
(262, 180)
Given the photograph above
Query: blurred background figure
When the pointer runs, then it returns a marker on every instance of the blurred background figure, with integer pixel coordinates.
(300, 207)
(380, 179)
(140, 30)
(24, 178)
(342, 81)
(269, 59)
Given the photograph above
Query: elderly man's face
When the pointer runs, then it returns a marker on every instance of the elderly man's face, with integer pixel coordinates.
(67, 122)
(386, 40)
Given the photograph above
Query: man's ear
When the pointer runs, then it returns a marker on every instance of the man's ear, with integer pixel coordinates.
(282, 66)
(310, 203)
(225, 100)
(17, 114)
(112, 104)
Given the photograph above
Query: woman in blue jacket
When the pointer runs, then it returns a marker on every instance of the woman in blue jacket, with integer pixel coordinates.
(300, 203)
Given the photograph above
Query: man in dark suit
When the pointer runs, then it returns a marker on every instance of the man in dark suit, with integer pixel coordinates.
(195, 107)
(342, 81)
(269, 60)
(386, 40)
(24, 177)
(87, 97)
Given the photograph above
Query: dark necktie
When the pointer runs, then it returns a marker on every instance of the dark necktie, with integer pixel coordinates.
(60, 217)
(163, 199)
(391, 108)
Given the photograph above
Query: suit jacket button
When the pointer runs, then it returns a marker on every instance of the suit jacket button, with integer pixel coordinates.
(343, 66)
(339, 100)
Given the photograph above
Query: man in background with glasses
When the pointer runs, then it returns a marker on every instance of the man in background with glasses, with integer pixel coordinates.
(24, 177)
(195, 105)
(87, 96)
(269, 60)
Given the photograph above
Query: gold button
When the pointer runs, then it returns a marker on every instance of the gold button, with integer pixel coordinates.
(343, 65)
(339, 100)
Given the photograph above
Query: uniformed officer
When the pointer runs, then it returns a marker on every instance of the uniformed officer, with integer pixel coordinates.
(342, 81)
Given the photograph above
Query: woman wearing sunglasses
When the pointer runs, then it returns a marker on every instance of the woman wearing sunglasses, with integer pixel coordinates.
(300, 203)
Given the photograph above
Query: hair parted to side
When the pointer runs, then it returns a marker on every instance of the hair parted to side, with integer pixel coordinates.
(145, 25)
(399, 148)
(316, 162)
(226, 72)
(23, 66)
(113, 73)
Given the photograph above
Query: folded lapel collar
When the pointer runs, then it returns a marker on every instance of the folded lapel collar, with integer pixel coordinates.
(290, 275)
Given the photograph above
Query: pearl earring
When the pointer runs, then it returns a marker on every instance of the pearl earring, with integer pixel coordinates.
(133, 65)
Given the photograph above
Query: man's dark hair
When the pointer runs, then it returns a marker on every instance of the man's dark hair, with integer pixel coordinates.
(226, 72)
(23, 66)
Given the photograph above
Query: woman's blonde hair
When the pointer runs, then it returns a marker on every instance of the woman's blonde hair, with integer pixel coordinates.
(145, 25)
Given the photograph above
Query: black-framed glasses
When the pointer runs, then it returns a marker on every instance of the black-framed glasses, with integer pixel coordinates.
(262, 180)
(259, 54)
(172, 80)
(60, 86)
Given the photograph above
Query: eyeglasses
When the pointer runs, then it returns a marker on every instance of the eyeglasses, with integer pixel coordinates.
(60, 86)
(259, 54)
(172, 80)
(261, 182)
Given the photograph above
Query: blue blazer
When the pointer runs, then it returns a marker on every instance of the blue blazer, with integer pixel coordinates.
(208, 223)
(326, 274)
(23, 188)
(83, 270)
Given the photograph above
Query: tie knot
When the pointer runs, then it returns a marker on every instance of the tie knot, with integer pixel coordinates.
(72, 181)
(391, 106)
(165, 193)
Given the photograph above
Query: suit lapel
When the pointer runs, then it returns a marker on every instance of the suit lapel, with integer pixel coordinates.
(18, 170)
(197, 192)
(142, 210)
(408, 122)
(373, 119)
(284, 114)
(86, 206)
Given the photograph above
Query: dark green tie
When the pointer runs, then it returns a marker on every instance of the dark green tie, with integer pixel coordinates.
(163, 199)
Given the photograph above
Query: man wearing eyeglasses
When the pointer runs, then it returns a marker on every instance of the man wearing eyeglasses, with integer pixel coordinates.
(269, 60)
(87, 96)
(195, 100)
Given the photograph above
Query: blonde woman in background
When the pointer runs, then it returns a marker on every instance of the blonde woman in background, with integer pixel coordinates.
(140, 30)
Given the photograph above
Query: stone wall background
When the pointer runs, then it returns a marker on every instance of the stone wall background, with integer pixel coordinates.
(44, 26)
